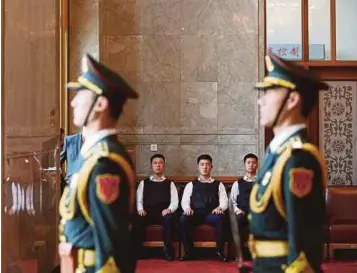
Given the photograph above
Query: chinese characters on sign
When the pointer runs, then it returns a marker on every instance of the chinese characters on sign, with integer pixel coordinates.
(294, 51)
(284, 51)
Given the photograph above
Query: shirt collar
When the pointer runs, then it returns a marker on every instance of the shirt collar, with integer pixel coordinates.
(92, 139)
(279, 139)
(210, 180)
(250, 179)
(152, 178)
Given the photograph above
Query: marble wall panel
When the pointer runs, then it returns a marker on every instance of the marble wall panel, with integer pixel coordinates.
(237, 58)
(130, 122)
(198, 59)
(236, 17)
(189, 154)
(197, 139)
(161, 108)
(144, 139)
(186, 139)
(199, 107)
(120, 18)
(124, 55)
(237, 108)
(194, 63)
(160, 17)
(172, 155)
(181, 159)
(235, 139)
(161, 58)
(198, 17)
(230, 158)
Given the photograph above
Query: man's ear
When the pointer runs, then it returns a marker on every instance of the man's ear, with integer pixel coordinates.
(294, 99)
(102, 104)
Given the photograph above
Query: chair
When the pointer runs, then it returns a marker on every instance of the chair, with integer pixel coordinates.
(153, 238)
(341, 204)
(205, 236)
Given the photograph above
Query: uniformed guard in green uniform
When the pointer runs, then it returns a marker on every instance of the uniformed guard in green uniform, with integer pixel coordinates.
(287, 206)
(98, 205)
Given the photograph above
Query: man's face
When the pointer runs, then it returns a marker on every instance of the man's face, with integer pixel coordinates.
(204, 167)
(251, 165)
(158, 165)
(81, 104)
(269, 104)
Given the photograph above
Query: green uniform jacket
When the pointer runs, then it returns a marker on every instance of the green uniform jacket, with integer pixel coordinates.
(98, 205)
(288, 204)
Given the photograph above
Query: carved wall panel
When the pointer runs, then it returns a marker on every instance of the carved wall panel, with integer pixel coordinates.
(338, 132)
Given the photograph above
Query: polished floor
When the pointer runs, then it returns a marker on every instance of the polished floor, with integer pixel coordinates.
(213, 266)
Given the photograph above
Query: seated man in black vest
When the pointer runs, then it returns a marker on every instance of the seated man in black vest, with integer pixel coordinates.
(239, 198)
(157, 200)
(204, 201)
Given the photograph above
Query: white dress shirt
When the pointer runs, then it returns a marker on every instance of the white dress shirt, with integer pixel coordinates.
(140, 194)
(235, 193)
(92, 139)
(279, 139)
(186, 197)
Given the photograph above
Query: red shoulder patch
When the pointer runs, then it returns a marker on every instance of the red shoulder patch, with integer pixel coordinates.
(301, 181)
(108, 187)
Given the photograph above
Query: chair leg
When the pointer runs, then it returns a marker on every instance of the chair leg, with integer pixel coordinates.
(177, 248)
(231, 249)
(325, 253)
(182, 249)
(331, 252)
(225, 249)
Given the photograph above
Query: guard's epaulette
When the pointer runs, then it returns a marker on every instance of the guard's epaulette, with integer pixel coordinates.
(98, 150)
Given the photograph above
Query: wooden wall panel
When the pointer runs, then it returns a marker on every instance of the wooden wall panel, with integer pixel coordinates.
(31, 71)
(30, 99)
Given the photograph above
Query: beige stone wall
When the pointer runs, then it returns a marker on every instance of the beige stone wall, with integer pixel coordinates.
(83, 37)
(194, 63)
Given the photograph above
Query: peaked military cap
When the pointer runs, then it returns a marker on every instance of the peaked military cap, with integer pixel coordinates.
(286, 74)
(101, 80)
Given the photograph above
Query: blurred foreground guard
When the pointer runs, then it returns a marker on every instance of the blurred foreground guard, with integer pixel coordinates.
(98, 205)
(287, 201)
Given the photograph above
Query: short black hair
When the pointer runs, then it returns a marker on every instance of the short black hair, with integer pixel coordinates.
(308, 102)
(250, 155)
(204, 157)
(62, 131)
(115, 106)
(157, 156)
